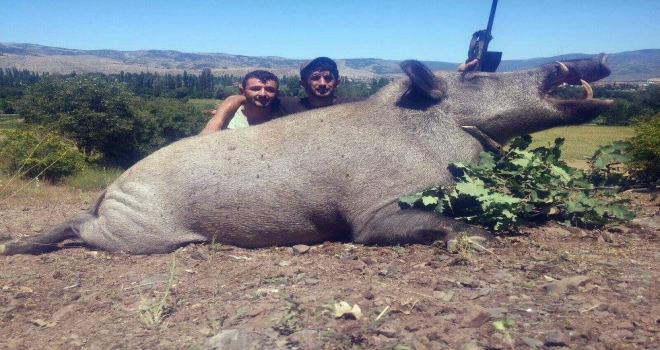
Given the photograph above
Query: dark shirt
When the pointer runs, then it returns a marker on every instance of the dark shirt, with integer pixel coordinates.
(290, 105)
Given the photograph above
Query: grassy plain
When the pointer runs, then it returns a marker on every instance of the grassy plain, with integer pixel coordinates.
(581, 141)
(10, 121)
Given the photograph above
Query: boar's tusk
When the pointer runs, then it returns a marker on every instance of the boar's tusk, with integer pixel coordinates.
(588, 91)
(564, 69)
(488, 143)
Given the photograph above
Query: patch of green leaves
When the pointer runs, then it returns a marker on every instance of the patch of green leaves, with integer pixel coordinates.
(526, 187)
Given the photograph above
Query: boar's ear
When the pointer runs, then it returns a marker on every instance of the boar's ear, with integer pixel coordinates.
(424, 82)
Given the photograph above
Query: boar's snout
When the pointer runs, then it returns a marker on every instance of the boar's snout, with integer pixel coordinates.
(575, 72)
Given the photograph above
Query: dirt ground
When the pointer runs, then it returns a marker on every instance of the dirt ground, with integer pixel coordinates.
(562, 288)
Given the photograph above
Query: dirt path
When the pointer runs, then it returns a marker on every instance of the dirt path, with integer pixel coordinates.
(563, 288)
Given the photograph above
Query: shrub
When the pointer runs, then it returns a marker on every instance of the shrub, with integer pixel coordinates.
(32, 154)
(645, 149)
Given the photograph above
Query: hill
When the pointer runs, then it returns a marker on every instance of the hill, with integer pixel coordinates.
(626, 66)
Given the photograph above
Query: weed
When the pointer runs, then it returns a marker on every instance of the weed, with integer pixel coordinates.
(241, 312)
(152, 312)
(464, 247)
(349, 247)
(528, 284)
(505, 327)
(215, 246)
(291, 321)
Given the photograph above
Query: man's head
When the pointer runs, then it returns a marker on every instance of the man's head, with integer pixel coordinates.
(260, 88)
(319, 77)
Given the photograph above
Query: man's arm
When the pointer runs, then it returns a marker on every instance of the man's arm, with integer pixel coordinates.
(223, 113)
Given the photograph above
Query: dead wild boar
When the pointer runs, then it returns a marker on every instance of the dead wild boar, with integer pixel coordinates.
(327, 174)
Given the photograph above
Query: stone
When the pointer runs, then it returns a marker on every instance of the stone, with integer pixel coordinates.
(475, 317)
(230, 339)
(555, 339)
(563, 286)
(300, 248)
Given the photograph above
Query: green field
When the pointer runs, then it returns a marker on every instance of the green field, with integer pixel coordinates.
(10, 121)
(582, 140)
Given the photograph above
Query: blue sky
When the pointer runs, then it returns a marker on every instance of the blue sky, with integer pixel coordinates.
(425, 30)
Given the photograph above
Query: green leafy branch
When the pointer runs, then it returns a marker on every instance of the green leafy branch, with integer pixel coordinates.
(525, 187)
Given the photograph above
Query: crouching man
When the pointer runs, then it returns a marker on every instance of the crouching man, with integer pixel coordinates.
(260, 89)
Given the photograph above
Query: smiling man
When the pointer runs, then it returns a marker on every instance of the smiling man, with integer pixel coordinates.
(319, 77)
(260, 89)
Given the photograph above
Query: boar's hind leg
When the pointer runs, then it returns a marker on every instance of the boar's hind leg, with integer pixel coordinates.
(414, 226)
(46, 241)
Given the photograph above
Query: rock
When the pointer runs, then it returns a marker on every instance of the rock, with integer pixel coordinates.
(389, 270)
(622, 333)
(475, 317)
(607, 237)
(300, 248)
(482, 293)
(311, 281)
(652, 222)
(387, 331)
(306, 339)
(230, 339)
(444, 296)
(627, 325)
(531, 342)
(555, 339)
(198, 254)
(472, 345)
(564, 285)
(620, 229)
(557, 231)
(497, 312)
(469, 282)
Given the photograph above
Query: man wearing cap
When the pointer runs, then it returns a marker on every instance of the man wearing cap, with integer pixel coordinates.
(319, 77)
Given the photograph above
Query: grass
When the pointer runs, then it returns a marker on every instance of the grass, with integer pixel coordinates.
(152, 312)
(82, 187)
(11, 121)
(38, 193)
(93, 178)
(581, 141)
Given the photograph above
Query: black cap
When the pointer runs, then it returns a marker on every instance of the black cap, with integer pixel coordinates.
(319, 63)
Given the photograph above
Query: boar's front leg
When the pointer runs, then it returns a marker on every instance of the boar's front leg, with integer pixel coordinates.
(392, 226)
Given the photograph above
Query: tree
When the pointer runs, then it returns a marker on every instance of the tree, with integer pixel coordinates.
(99, 116)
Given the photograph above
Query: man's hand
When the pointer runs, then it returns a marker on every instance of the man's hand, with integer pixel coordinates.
(465, 66)
(223, 113)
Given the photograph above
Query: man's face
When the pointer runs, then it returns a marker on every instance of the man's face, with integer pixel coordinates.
(259, 93)
(320, 83)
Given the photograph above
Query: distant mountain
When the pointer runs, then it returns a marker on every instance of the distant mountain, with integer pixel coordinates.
(626, 66)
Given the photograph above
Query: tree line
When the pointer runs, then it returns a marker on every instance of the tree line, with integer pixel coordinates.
(13, 83)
